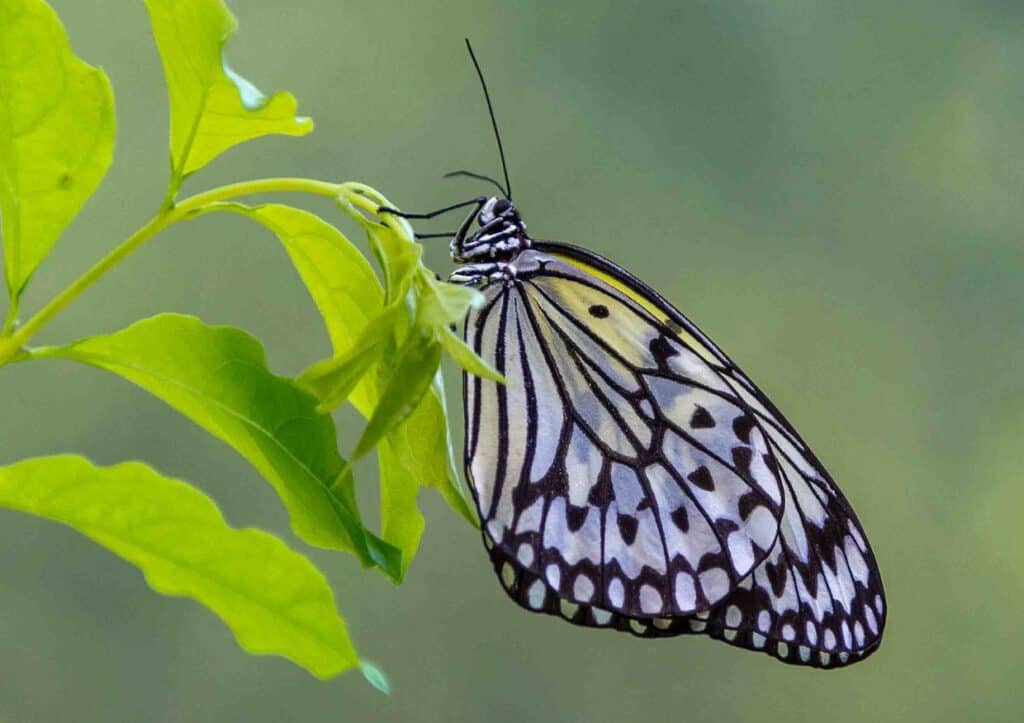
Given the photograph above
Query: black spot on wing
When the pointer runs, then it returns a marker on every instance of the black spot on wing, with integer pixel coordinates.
(701, 418)
(701, 477)
(741, 426)
(575, 516)
(680, 519)
(627, 528)
(661, 350)
(741, 457)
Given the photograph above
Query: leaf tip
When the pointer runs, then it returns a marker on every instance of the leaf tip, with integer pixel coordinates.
(375, 677)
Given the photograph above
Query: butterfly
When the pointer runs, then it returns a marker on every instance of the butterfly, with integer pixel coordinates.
(629, 475)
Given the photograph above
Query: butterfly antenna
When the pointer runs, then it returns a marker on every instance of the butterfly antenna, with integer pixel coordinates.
(494, 123)
(477, 176)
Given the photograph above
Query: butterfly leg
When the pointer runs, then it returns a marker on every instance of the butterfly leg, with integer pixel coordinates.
(478, 202)
(483, 274)
(459, 238)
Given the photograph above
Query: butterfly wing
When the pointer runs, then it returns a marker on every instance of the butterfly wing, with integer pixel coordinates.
(620, 470)
(639, 480)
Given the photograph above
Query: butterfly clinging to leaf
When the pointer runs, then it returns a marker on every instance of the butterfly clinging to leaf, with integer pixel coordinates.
(629, 475)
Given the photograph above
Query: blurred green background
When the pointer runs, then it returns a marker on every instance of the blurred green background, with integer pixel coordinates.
(830, 190)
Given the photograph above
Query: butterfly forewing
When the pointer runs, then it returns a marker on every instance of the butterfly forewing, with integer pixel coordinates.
(629, 475)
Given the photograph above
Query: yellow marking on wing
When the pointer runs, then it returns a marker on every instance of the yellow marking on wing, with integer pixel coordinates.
(644, 302)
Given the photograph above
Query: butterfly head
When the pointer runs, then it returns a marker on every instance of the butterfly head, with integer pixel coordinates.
(497, 208)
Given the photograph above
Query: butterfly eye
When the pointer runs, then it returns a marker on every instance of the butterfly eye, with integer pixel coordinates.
(501, 205)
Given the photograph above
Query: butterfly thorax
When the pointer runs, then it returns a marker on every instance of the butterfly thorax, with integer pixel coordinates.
(493, 247)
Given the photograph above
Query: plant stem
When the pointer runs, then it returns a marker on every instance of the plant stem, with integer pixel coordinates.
(9, 345)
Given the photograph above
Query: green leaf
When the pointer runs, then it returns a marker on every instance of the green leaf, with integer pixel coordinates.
(273, 599)
(350, 299)
(411, 377)
(394, 248)
(212, 107)
(400, 518)
(465, 357)
(333, 380)
(348, 296)
(424, 444)
(56, 134)
(218, 378)
(339, 278)
(400, 258)
(442, 304)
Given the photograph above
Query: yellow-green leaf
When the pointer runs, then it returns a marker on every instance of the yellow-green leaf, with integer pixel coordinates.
(218, 378)
(425, 446)
(340, 280)
(394, 248)
(333, 380)
(423, 441)
(350, 300)
(212, 107)
(274, 600)
(442, 304)
(411, 377)
(401, 522)
(338, 276)
(56, 134)
(465, 357)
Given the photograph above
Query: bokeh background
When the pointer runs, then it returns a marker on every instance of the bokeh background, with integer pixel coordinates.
(831, 189)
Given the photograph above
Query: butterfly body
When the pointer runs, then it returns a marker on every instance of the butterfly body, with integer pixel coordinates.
(628, 475)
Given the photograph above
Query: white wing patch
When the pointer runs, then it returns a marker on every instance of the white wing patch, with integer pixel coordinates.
(630, 476)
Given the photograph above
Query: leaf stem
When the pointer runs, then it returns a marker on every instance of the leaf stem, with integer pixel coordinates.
(12, 316)
(188, 208)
